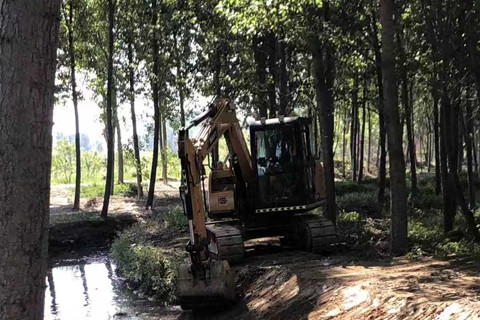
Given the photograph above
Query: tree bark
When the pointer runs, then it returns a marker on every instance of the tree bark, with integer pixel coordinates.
(136, 147)
(164, 146)
(156, 108)
(344, 149)
(438, 174)
(398, 190)
(354, 131)
(468, 132)
(179, 81)
(261, 74)
(272, 71)
(283, 78)
(324, 75)
(362, 141)
(120, 178)
(369, 154)
(382, 167)
(28, 46)
(110, 133)
(73, 82)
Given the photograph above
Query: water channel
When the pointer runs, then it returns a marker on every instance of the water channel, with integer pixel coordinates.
(90, 289)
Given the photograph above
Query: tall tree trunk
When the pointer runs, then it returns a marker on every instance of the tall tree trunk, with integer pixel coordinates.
(324, 75)
(164, 146)
(272, 71)
(354, 131)
(73, 81)
(344, 143)
(29, 33)
(120, 178)
(438, 174)
(110, 147)
(382, 166)
(398, 189)
(136, 147)
(179, 81)
(448, 183)
(362, 141)
(468, 132)
(156, 108)
(258, 44)
(283, 79)
(369, 154)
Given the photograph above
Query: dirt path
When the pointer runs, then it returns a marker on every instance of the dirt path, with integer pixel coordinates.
(299, 285)
(61, 201)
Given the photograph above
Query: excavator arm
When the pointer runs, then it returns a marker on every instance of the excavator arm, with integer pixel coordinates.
(205, 281)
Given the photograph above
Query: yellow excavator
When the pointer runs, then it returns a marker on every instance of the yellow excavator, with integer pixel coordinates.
(268, 191)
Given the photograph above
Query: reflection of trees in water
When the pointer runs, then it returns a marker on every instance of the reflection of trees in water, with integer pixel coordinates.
(51, 287)
(84, 283)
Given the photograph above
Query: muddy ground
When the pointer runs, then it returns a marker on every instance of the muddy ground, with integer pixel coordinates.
(278, 282)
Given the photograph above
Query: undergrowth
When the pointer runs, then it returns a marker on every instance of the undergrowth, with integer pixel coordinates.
(365, 225)
(141, 259)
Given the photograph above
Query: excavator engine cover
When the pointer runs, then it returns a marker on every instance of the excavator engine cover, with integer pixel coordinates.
(211, 285)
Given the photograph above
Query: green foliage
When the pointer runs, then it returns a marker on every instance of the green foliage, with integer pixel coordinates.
(145, 267)
(176, 219)
(141, 261)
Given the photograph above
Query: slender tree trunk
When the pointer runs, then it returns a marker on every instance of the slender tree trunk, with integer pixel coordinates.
(362, 141)
(438, 174)
(272, 70)
(324, 75)
(179, 81)
(283, 78)
(382, 166)
(469, 144)
(28, 46)
(369, 141)
(344, 143)
(398, 189)
(120, 152)
(448, 183)
(156, 108)
(164, 145)
(136, 147)
(260, 68)
(354, 131)
(73, 81)
(110, 133)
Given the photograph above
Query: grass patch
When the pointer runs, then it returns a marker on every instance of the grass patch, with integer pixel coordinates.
(98, 190)
(75, 217)
(142, 260)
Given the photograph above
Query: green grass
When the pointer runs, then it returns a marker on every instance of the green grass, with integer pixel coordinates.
(75, 217)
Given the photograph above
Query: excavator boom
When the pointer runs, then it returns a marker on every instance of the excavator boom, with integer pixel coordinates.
(206, 282)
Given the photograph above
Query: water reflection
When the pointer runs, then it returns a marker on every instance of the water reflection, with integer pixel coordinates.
(92, 291)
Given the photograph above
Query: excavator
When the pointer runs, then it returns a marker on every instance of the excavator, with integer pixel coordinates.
(270, 190)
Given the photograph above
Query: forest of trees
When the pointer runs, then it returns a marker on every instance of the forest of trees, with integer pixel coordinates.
(394, 87)
(389, 83)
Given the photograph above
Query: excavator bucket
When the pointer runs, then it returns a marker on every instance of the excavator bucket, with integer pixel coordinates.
(213, 287)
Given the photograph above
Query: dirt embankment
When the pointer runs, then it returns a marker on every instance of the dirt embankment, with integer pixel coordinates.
(299, 285)
(74, 234)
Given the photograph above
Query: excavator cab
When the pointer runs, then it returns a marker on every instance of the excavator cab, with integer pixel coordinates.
(289, 174)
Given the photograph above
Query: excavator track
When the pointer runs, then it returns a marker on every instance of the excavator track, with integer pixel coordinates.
(316, 233)
(226, 242)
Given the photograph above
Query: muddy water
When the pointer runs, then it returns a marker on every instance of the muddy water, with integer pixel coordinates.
(91, 290)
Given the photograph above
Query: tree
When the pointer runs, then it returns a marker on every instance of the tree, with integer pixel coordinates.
(109, 111)
(156, 105)
(398, 189)
(29, 42)
(71, 53)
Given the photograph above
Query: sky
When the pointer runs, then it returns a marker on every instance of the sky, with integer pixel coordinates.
(89, 117)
